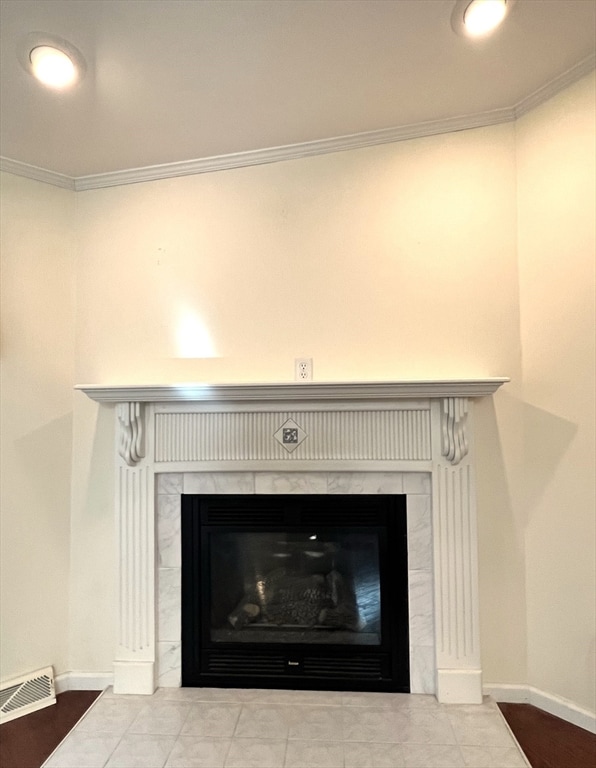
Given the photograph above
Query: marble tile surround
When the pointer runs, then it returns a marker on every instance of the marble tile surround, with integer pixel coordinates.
(417, 487)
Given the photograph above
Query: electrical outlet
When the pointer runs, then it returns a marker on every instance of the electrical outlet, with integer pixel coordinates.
(303, 368)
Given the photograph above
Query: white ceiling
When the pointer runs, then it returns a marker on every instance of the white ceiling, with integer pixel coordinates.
(179, 80)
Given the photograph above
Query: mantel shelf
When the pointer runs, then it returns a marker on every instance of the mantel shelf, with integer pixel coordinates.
(308, 391)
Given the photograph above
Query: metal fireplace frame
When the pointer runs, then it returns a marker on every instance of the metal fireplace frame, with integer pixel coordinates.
(330, 665)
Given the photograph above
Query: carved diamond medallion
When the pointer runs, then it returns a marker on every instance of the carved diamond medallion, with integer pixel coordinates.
(290, 435)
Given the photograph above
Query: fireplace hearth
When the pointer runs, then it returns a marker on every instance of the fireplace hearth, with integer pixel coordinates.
(295, 592)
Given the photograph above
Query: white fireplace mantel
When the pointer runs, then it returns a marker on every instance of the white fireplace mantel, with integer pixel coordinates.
(305, 391)
(400, 426)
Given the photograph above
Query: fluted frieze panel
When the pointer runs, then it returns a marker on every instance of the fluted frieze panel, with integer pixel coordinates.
(250, 436)
(136, 562)
(456, 580)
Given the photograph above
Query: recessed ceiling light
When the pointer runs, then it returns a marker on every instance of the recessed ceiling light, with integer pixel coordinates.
(53, 61)
(477, 18)
(52, 67)
(483, 15)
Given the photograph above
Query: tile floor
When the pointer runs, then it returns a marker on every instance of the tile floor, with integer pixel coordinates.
(230, 728)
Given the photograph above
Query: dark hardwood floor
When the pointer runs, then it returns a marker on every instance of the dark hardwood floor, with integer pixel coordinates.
(547, 741)
(28, 741)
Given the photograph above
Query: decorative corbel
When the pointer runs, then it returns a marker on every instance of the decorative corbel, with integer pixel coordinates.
(454, 415)
(131, 444)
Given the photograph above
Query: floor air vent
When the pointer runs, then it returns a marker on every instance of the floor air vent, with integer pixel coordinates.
(27, 694)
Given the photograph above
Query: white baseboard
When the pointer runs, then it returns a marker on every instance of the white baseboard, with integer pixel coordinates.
(83, 681)
(549, 702)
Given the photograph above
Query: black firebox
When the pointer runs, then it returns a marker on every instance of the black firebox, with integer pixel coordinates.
(300, 591)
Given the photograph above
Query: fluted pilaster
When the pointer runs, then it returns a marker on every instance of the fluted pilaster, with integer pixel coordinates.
(455, 556)
(135, 653)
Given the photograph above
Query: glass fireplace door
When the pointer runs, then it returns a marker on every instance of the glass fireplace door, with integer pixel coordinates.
(304, 586)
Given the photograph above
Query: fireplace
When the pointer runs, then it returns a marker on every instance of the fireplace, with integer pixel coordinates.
(283, 436)
(295, 591)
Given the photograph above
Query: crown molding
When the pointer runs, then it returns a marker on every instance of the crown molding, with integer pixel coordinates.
(305, 149)
(37, 174)
(323, 391)
(258, 156)
(558, 84)
(293, 151)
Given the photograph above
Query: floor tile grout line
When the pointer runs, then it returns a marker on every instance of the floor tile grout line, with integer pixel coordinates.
(225, 760)
(286, 752)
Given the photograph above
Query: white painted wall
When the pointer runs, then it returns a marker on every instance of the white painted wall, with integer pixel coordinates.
(37, 306)
(556, 173)
(349, 258)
